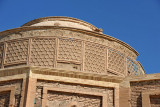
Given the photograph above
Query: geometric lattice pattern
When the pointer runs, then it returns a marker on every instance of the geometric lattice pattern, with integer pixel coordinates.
(71, 53)
(16, 51)
(63, 99)
(116, 61)
(1, 53)
(133, 68)
(43, 52)
(70, 50)
(95, 56)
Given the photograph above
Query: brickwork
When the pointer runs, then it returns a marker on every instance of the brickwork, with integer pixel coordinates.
(4, 99)
(1, 53)
(72, 47)
(138, 87)
(155, 100)
(110, 98)
(62, 99)
(133, 68)
(70, 34)
(16, 51)
(38, 97)
(86, 51)
(71, 63)
(86, 100)
(116, 61)
(18, 89)
(43, 52)
(95, 57)
(70, 50)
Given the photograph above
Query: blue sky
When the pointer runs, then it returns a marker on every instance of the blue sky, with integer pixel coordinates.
(136, 22)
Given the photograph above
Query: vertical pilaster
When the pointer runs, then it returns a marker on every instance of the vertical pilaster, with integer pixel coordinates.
(44, 97)
(23, 92)
(116, 97)
(124, 99)
(30, 93)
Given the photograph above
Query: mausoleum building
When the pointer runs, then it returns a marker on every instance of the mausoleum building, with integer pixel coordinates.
(67, 62)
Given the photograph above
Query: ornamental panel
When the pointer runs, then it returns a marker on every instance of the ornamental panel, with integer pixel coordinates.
(64, 94)
(116, 61)
(133, 67)
(60, 99)
(95, 58)
(43, 52)
(70, 50)
(16, 51)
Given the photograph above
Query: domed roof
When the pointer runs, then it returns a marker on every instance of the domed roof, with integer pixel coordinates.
(69, 44)
(62, 21)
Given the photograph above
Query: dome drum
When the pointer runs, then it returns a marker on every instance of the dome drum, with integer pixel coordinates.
(68, 50)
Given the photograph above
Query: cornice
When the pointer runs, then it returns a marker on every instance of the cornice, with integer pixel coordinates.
(75, 74)
(29, 70)
(146, 77)
(14, 71)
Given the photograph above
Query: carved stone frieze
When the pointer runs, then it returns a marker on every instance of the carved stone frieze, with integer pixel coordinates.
(63, 99)
(60, 99)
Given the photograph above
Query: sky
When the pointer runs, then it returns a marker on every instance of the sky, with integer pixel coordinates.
(136, 22)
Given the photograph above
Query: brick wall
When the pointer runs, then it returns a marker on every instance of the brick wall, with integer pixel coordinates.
(138, 87)
(155, 100)
(83, 100)
(4, 97)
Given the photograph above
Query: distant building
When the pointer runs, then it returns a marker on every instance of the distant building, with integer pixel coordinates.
(66, 62)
